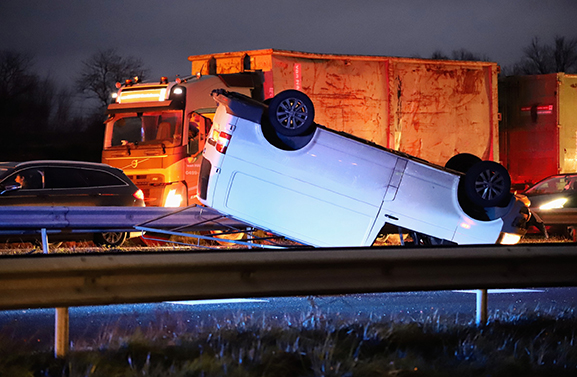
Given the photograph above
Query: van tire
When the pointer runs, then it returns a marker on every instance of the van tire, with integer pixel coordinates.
(291, 113)
(462, 162)
(487, 184)
(110, 239)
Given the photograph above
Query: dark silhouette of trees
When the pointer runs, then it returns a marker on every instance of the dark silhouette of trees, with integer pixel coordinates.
(540, 58)
(103, 70)
(36, 117)
(37, 120)
(15, 77)
(565, 54)
(25, 98)
(461, 54)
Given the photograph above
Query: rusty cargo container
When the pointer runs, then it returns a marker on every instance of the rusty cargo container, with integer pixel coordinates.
(538, 132)
(432, 109)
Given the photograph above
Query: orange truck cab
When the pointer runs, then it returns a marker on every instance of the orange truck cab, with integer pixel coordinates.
(155, 133)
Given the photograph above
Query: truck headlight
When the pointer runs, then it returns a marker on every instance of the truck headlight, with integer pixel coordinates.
(176, 196)
(173, 199)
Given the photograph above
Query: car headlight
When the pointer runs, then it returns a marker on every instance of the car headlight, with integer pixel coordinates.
(557, 203)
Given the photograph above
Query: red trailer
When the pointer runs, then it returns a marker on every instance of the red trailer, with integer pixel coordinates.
(538, 131)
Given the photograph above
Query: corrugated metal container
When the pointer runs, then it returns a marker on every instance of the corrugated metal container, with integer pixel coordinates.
(538, 133)
(431, 109)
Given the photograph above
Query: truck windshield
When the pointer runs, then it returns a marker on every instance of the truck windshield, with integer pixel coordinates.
(151, 128)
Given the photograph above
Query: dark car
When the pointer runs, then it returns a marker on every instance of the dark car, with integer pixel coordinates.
(554, 200)
(68, 183)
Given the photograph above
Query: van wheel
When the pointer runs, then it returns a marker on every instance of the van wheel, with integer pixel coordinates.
(291, 113)
(462, 162)
(110, 239)
(487, 184)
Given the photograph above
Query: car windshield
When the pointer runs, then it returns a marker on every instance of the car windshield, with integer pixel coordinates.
(148, 129)
(555, 185)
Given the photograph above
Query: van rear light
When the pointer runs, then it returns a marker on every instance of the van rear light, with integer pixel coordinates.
(138, 194)
(222, 142)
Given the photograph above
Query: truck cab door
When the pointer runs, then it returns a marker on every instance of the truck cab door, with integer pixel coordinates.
(198, 128)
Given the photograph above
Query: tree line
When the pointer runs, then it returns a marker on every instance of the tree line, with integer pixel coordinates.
(37, 116)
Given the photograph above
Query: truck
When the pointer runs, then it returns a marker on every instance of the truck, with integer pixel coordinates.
(431, 109)
(155, 133)
(538, 130)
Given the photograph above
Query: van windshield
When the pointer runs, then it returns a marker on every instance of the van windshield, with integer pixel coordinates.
(152, 128)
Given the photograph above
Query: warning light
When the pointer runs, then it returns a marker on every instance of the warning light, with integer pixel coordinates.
(544, 109)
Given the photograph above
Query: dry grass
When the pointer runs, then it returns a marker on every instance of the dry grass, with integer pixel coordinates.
(539, 343)
(314, 344)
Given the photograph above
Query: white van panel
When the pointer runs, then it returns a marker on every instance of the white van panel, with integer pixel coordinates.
(309, 214)
(427, 200)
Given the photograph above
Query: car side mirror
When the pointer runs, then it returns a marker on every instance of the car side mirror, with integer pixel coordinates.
(12, 187)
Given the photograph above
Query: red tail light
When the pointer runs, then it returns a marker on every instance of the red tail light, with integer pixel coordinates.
(138, 194)
(222, 142)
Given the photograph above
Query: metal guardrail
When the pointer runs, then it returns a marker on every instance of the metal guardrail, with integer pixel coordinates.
(43, 281)
(23, 220)
(46, 281)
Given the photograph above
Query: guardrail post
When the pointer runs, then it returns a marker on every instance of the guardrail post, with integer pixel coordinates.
(482, 303)
(62, 336)
(44, 236)
(249, 236)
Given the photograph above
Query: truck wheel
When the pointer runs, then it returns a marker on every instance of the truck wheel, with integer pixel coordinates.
(111, 239)
(487, 184)
(291, 113)
(462, 162)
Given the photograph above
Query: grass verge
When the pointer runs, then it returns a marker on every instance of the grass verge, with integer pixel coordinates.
(313, 344)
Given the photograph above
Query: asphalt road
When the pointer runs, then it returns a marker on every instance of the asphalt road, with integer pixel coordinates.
(93, 323)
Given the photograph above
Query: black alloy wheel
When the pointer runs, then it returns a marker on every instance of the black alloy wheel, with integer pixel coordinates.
(291, 113)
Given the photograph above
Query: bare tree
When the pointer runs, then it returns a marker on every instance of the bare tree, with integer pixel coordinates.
(541, 59)
(439, 55)
(15, 76)
(103, 70)
(62, 112)
(461, 54)
(565, 54)
(537, 58)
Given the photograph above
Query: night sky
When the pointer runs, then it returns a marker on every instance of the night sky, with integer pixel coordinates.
(62, 33)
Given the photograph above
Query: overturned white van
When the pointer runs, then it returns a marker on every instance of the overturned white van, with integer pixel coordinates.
(271, 166)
